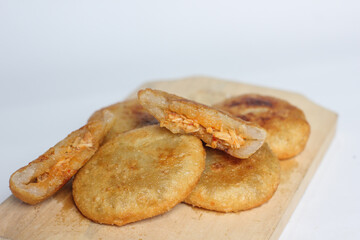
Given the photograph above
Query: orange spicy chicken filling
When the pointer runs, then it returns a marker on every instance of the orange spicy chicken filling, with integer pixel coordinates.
(78, 144)
(228, 137)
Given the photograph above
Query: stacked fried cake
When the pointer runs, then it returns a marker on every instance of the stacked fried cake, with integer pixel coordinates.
(141, 157)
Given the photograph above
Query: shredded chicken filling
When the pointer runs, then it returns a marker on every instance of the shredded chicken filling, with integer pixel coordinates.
(228, 138)
(79, 143)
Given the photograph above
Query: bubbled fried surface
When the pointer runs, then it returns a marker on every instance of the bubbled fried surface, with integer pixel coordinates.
(230, 184)
(137, 175)
(128, 115)
(287, 128)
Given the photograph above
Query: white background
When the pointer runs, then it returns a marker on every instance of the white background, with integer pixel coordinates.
(61, 60)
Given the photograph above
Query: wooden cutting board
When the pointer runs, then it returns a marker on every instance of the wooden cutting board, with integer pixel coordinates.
(58, 218)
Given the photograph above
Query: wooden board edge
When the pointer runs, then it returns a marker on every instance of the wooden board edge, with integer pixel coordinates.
(203, 78)
(304, 183)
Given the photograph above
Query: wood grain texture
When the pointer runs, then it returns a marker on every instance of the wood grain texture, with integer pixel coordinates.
(58, 218)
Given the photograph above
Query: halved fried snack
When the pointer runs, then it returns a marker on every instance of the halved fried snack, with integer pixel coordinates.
(42, 177)
(138, 174)
(230, 184)
(286, 125)
(128, 115)
(216, 128)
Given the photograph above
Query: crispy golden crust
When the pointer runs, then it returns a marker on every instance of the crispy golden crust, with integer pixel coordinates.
(128, 115)
(230, 184)
(138, 174)
(286, 125)
(216, 128)
(42, 177)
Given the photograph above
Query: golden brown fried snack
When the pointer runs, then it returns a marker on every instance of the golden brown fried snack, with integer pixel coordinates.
(286, 125)
(138, 174)
(128, 115)
(42, 177)
(230, 184)
(216, 128)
